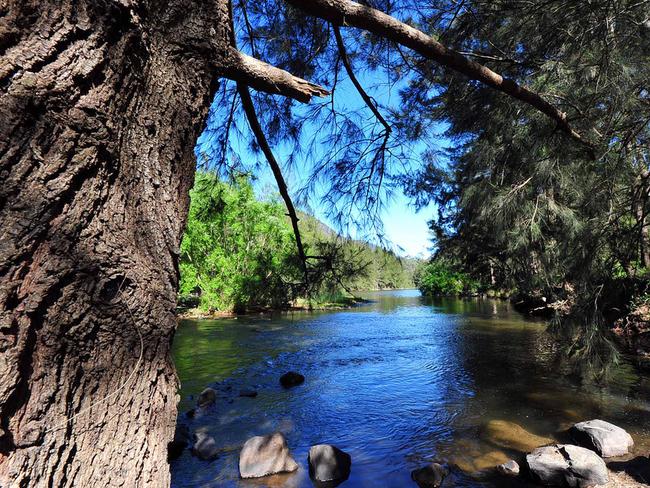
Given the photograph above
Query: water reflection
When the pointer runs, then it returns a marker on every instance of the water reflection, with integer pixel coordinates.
(395, 383)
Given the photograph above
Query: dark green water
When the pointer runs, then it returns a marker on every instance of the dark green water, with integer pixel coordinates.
(395, 383)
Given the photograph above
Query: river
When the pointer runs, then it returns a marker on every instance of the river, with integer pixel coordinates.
(396, 383)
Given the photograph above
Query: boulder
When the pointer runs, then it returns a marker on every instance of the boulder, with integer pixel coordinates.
(207, 397)
(265, 455)
(205, 447)
(509, 468)
(248, 392)
(291, 378)
(566, 465)
(430, 476)
(328, 463)
(606, 439)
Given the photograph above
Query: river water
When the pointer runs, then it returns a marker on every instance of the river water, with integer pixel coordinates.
(396, 383)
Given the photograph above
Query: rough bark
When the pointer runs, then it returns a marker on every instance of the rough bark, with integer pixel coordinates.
(349, 13)
(101, 103)
(100, 108)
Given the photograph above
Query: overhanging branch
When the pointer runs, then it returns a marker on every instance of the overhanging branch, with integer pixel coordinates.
(251, 115)
(261, 76)
(349, 13)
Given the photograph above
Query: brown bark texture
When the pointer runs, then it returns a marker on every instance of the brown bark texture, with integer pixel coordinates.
(101, 102)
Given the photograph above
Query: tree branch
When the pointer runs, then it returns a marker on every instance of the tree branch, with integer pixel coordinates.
(349, 13)
(368, 101)
(251, 115)
(257, 74)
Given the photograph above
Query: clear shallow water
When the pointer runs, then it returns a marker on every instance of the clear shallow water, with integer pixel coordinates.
(395, 383)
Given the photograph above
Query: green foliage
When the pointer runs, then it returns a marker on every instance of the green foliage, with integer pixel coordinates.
(439, 278)
(237, 252)
(520, 204)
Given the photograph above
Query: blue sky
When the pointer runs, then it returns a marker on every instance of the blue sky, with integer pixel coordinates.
(405, 230)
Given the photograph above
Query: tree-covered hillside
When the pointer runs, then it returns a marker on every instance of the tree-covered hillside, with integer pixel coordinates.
(239, 253)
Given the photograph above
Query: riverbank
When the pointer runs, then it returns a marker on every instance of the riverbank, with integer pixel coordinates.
(300, 305)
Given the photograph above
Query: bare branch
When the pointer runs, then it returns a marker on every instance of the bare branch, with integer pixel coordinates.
(257, 74)
(251, 115)
(368, 101)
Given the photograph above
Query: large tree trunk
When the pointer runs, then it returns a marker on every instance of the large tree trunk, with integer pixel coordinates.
(100, 108)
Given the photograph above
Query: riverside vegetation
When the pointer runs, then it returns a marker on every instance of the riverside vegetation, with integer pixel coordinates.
(239, 254)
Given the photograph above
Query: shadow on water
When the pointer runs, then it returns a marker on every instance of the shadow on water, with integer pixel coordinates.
(396, 383)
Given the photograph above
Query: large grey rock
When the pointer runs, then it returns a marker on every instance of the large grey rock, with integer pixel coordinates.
(205, 447)
(430, 476)
(567, 465)
(265, 455)
(604, 438)
(328, 463)
(207, 397)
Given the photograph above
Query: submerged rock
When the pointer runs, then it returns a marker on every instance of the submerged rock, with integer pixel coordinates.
(265, 455)
(205, 447)
(207, 397)
(291, 378)
(328, 463)
(606, 439)
(512, 436)
(179, 443)
(430, 476)
(509, 468)
(248, 392)
(567, 465)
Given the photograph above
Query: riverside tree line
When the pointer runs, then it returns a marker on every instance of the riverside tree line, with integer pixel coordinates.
(239, 253)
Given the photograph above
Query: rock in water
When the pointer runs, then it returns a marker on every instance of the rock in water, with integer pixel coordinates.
(567, 465)
(328, 463)
(248, 392)
(606, 439)
(207, 397)
(179, 443)
(510, 435)
(291, 379)
(430, 476)
(205, 447)
(265, 455)
(510, 468)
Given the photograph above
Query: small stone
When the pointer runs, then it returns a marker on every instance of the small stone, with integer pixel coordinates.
(207, 397)
(328, 463)
(291, 378)
(247, 392)
(606, 439)
(265, 455)
(430, 476)
(205, 447)
(510, 468)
